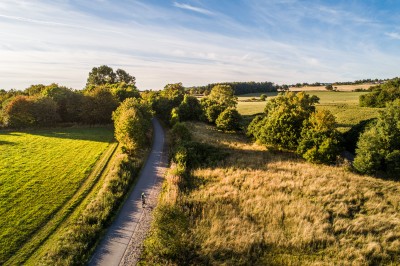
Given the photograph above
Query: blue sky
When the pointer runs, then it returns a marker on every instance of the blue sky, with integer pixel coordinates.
(198, 41)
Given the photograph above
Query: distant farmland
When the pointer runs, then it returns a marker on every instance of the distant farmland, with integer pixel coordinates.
(342, 104)
(40, 171)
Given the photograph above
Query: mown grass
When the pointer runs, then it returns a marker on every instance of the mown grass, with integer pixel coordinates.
(260, 207)
(40, 171)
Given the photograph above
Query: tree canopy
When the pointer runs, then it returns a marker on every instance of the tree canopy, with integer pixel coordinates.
(378, 148)
(283, 118)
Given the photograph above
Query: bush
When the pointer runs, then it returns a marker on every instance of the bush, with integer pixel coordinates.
(352, 136)
(229, 120)
(283, 120)
(263, 97)
(319, 138)
(190, 109)
(382, 94)
(180, 134)
(378, 147)
(132, 125)
(26, 111)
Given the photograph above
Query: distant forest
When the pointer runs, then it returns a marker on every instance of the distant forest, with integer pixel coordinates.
(238, 87)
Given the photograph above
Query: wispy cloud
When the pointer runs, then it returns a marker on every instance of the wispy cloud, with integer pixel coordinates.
(393, 35)
(193, 8)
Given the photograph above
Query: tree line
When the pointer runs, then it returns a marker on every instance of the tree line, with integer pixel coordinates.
(239, 88)
(41, 105)
(382, 94)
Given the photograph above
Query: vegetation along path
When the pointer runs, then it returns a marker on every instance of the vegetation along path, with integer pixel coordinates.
(123, 242)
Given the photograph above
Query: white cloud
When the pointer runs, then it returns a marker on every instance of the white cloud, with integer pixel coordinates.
(43, 42)
(393, 35)
(193, 8)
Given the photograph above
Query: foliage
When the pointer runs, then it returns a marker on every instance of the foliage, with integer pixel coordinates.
(122, 91)
(319, 138)
(179, 134)
(352, 136)
(190, 109)
(378, 147)
(238, 87)
(98, 106)
(229, 120)
(175, 118)
(220, 98)
(27, 111)
(263, 97)
(164, 101)
(382, 94)
(52, 166)
(132, 125)
(105, 75)
(223, 95)
(283, 120)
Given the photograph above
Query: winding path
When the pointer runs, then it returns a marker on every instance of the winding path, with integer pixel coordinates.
(123, 241)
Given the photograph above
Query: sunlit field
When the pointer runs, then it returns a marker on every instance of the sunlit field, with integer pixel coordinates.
(260, 207)
(40, 171)
(344, 105)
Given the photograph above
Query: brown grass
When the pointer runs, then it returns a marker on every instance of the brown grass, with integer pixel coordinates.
(264, 207)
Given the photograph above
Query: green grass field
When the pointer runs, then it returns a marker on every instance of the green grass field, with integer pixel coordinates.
(40, 171)
(344, 105)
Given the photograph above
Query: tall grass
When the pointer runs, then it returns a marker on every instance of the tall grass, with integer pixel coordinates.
(40, 171)
(259, 207)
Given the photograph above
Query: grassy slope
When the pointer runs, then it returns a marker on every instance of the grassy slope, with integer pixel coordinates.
(261, 207)
(39, 171)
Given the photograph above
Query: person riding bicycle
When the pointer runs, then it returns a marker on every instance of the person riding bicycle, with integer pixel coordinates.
(143, 196)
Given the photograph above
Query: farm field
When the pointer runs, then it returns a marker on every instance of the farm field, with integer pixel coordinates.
(260, 207)
(40, 170)
(344, 105)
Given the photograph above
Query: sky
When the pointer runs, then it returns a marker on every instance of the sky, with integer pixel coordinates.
(197, 42)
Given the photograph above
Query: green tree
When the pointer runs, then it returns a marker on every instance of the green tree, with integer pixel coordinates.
(132, 125)
(379, 146)
(25, 111)
(123, 76)
(123, 90)
(229, 120)
(223, 95)
(283, 120)
(101, 75)
(319, 138)
(190, 109)
(98, 106)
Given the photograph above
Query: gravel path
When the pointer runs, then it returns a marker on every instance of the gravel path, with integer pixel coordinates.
(123, 242)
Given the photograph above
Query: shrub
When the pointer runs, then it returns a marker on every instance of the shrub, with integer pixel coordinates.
(263, 97)
(283, 120)
(132, 125)
(378, 148)
(190, 109)
(229, 120)
(26, 111)
(180, 134)
(319, 138)
(382, 94)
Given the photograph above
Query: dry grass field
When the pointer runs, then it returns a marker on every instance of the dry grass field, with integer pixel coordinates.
(260, 207)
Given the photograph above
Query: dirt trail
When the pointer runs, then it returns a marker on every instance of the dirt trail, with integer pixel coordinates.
(123, 241)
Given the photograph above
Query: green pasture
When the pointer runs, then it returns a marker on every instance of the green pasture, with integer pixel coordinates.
(344, 105)
(40, 170)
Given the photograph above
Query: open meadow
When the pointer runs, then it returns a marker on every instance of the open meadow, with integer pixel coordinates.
(262, 207)
(342, 104)
(40, 171)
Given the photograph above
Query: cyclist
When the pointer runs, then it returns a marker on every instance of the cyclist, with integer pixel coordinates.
(143, 196)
